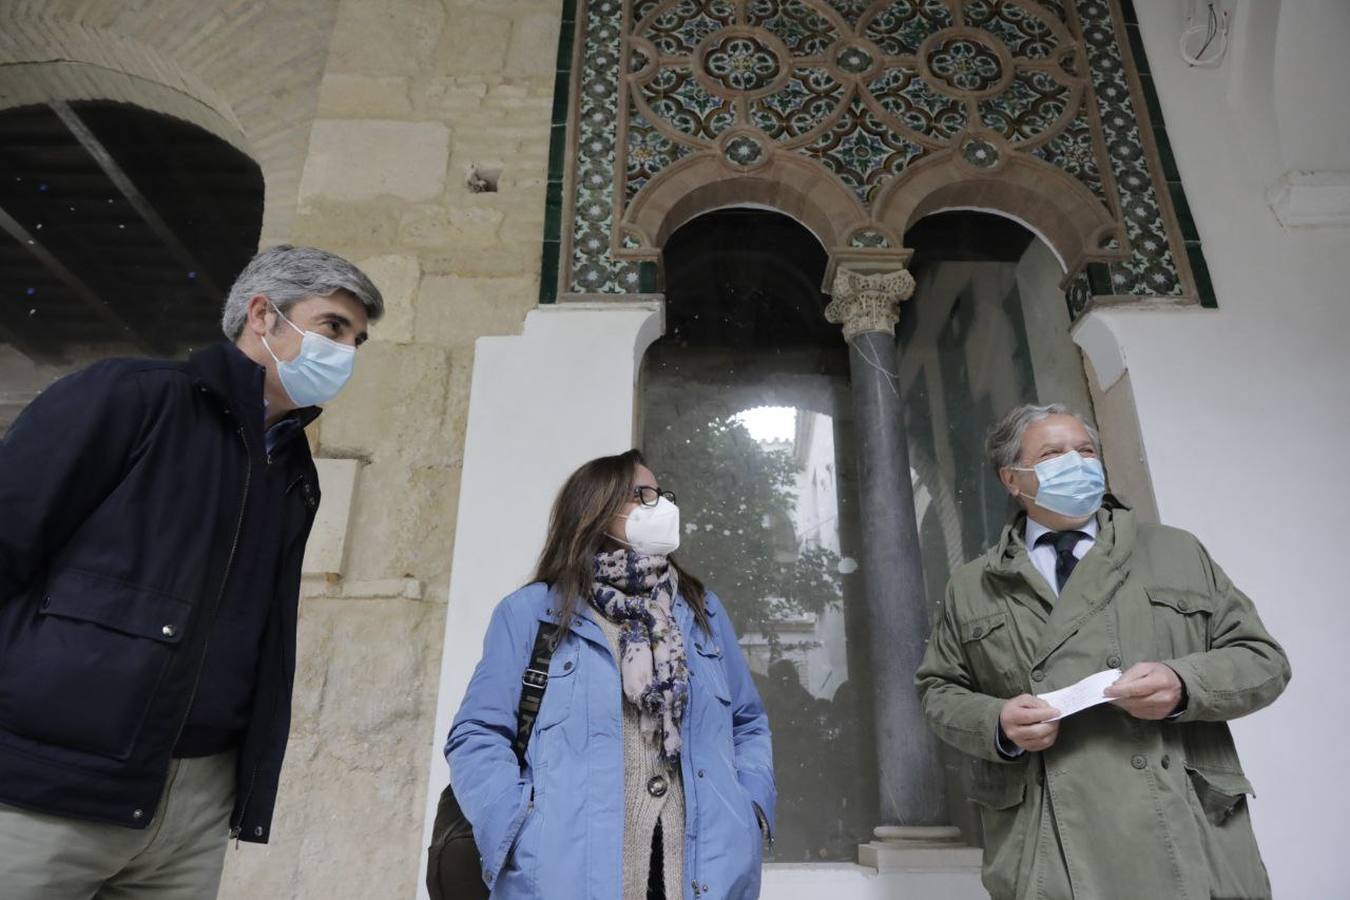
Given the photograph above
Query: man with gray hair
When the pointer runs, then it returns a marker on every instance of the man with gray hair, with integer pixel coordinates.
(1133, 788)
(155, 519)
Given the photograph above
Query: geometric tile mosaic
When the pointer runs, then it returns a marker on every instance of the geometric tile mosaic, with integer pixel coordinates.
(861, 89)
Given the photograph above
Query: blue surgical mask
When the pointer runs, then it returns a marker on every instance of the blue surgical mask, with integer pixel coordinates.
(1071, 485)
(319, 372)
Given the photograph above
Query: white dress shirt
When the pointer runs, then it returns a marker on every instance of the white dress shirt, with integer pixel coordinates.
(1043, 557)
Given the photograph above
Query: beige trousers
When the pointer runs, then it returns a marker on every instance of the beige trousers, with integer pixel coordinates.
(178, 856)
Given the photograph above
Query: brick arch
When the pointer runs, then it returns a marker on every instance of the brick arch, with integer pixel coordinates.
(187, 60)
(786, 184)
(1060, 210)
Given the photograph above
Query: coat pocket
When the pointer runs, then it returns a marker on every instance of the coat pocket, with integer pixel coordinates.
(1219, 793)
(1219, 801)
(82, 671)
(1180, 621)
(1000, 793)
(988, 646)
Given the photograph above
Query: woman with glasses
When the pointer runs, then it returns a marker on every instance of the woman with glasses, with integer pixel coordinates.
(649, 771)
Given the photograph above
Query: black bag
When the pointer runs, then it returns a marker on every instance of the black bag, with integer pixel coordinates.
(454, 865)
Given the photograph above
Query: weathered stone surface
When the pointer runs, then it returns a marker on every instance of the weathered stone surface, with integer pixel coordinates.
(391, 409)
(373, 227)
(461, 227)
(407, 515)
(356, 159)
(455, 310)
(388, 37)
(397, 276)
(476, 42)
(356, 96)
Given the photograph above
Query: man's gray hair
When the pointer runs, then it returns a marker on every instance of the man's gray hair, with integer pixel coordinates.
(286, 275)
(1003, 447)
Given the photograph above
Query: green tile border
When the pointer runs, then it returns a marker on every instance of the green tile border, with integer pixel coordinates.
(557, 155)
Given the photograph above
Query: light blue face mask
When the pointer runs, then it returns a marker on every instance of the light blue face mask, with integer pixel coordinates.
(1071, 485)
(319, 372)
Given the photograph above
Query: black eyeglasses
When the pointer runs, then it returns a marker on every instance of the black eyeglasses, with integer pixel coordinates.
(650, 496)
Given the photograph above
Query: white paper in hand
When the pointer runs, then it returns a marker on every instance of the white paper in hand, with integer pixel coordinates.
(1080, 696)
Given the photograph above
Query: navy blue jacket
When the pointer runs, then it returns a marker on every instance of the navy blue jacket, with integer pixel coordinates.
(121, 510)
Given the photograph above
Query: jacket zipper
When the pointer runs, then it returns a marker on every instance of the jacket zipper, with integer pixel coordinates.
(220, 595)
(253, 774)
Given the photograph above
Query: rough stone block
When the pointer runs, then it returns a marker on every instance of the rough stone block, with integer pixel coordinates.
(461, 228)
(354, 159)
(397, 277)
(477, 42)
(410, 534)
(391, 410)
(328, 537)
(354, 96)
(454, 311)
(390, 37)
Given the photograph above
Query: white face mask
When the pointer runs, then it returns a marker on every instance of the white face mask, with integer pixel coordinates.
(319, 372)
(653, 530)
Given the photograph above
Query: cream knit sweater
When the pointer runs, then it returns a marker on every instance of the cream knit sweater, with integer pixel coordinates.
(641, 763)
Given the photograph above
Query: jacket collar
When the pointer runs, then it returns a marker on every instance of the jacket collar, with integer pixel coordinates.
(224, 371)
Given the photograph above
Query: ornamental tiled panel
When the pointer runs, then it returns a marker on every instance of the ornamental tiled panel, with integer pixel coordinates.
(863, 89)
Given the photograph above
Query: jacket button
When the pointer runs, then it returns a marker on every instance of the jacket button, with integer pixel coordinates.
(656, 786)
(1113, 662)
(1166, 761)
(1183, 605)
(138, 814)
(168, 631)
(46, 602)
(704, 887)
(977, 632)
(1138, 761)
(700, 773)
(567, 667)
(1037, 675)
(257, 831)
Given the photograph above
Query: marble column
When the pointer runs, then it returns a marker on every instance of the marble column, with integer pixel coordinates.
(911, 781)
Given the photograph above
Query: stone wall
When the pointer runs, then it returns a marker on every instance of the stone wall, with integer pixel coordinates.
(414, 94)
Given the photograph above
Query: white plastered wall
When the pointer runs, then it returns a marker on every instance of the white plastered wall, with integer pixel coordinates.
(1245, 415)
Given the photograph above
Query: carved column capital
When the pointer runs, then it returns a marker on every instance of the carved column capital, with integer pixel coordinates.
(864, 303)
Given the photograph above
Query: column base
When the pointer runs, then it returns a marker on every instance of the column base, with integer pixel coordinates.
(931, 849)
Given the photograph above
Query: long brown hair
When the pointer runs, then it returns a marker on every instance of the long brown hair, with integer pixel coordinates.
(592, 496)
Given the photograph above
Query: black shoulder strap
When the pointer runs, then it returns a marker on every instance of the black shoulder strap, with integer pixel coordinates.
(535, 682)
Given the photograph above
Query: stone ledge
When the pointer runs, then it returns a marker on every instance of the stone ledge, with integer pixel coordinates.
(375, 589)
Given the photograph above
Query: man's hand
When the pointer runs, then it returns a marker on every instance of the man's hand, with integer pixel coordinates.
(1147, 690)
(1023, 720)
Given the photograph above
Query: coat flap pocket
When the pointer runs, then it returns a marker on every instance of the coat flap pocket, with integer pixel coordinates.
(563, 663)
(711, 669)
(981, 628)
(1004, 793)
(1219, 792)
(1184, 602)
(709, 649)
(73, 594)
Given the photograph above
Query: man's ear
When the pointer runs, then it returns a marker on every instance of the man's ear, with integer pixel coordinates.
(1006, 476)
(258, 308)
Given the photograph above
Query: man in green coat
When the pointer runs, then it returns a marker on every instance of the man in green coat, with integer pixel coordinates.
(1138, 798)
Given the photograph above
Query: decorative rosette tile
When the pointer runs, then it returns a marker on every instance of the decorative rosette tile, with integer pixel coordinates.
(1024, 33)
(648, 153)
(678, 98)
(851, 10)
(979, 153)
(740, 62)
(853, 59)
(868, 239)
(1073, 151)
(1030, 106)
(804, 31)
(800, 106)
(963, 64)
(745, 151)
(914, 102)
(863, 151)
(1151, 269)
(678, 30)
(904, 25)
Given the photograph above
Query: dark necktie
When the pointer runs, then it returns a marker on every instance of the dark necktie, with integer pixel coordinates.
(1065, 561)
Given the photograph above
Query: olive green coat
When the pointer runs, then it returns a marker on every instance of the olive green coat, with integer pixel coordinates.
(1118, 807)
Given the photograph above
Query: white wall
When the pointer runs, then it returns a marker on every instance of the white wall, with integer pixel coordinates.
(1245, 415)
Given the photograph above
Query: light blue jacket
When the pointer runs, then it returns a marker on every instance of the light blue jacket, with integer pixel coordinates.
(555, 830)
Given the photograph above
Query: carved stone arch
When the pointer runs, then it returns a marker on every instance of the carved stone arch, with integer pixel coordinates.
(1058, 208)
(790, 186)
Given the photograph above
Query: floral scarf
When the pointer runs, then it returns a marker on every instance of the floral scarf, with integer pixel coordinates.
(637, 593)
